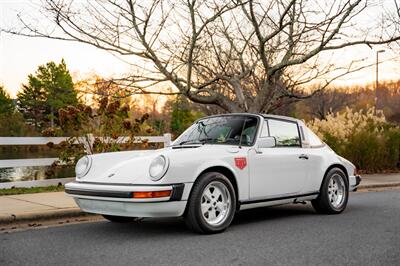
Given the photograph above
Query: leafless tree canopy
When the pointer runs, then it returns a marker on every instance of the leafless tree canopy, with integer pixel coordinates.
(329, 101)
(241, 55)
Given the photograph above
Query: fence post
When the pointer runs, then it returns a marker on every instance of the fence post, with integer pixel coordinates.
(167, 139)
(89, 143)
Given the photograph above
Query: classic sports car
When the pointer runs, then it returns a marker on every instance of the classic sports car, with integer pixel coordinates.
(218, 166)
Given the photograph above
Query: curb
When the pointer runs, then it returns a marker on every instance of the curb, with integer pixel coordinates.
(43, 216)
(381, 185)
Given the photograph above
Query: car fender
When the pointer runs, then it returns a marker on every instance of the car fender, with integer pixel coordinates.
(321, 159)
(240, 176)
(329, 160)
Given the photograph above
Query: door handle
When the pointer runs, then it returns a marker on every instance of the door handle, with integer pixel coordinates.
(303, 157)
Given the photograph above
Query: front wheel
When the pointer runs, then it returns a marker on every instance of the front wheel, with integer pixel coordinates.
(212, 204)
(334, 193)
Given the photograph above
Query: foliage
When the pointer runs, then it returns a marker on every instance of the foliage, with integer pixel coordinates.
(182, 115)
(11, 121)
(6, 103)
(363, 137)
(16, 191)
(13, 125)
(97, 131)
(50, 89)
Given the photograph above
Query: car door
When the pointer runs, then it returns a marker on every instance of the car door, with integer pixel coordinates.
(281, 170)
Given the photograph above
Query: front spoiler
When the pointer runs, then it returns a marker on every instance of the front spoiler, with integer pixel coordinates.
(116, 199)
(132, 209)
(120, 191)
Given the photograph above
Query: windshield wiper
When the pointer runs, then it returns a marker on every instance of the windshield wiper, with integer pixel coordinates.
(196, 141)
(190, 142)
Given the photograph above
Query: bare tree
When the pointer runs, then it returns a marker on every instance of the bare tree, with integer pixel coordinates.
(241, 55)
(397, 5)
(329, 101)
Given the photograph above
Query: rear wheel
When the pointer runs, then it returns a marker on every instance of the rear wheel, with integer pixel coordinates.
(119, 219)
(334, 193)
(212, 204)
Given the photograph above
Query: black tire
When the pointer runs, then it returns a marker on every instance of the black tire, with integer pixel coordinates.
(119, 219)
(323, 203)
(194, 217)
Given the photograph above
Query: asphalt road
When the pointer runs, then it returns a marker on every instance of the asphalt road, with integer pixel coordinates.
(367, 233)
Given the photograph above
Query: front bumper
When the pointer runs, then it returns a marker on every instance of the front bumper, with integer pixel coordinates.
(116, 199)
(354, 182)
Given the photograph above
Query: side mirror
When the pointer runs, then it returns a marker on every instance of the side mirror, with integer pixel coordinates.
(267, 142)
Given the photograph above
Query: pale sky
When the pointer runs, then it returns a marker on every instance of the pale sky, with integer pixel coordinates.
(20, 56)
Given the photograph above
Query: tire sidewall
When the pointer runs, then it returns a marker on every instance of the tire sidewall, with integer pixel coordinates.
(325, 190)
(203, 182)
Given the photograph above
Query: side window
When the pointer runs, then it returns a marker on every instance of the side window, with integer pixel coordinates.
(286, 133)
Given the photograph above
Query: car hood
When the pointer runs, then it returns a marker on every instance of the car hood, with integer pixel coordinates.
(132, 167)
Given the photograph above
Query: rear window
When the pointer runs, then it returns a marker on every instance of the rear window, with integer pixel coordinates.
(313, 139)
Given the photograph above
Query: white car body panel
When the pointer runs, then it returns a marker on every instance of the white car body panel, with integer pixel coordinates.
(277, 171)
(272, 175)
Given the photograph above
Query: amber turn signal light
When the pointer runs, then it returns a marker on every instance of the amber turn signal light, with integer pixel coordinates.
(151, 194)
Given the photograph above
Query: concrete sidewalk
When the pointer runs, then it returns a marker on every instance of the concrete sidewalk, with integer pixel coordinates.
(37, 206)
(41, 206)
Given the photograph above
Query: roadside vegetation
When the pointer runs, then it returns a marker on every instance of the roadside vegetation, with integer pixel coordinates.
(364, 137)
(16, 191)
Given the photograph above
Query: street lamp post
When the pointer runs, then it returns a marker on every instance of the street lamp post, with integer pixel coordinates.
(377, 80)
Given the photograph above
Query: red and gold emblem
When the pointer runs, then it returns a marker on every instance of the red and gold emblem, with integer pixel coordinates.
(240, 162)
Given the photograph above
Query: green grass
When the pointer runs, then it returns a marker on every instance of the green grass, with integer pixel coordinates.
(16, 191)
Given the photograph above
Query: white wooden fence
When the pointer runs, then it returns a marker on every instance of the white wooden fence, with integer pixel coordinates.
(13, 141)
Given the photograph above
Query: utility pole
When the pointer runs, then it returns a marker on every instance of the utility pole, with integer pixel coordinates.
(377, 94)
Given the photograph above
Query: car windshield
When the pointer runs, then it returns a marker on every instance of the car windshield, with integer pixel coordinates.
(221, 130)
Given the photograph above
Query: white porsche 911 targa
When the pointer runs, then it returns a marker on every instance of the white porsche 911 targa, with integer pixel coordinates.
(220, 165)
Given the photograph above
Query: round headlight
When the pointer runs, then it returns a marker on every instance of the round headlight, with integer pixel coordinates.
(158, 167)
(83, 166)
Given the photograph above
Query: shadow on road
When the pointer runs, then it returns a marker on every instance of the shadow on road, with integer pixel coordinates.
(266, 214)
(175, 226)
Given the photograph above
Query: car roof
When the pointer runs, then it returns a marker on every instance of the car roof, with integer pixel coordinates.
(281, 117)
